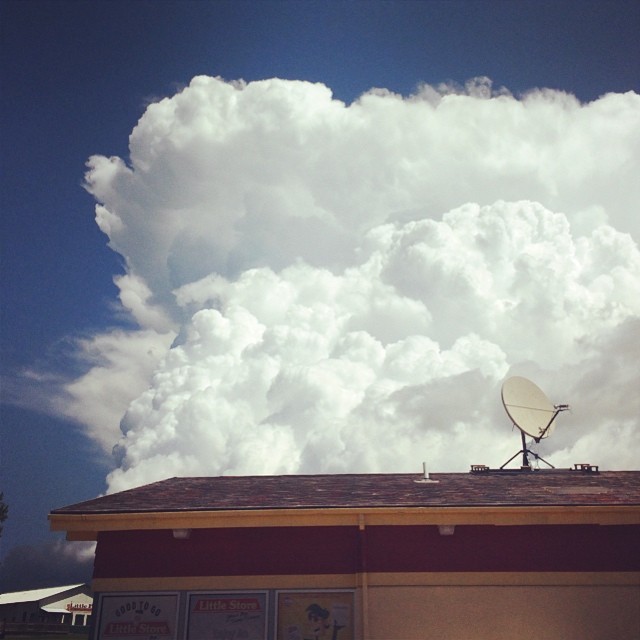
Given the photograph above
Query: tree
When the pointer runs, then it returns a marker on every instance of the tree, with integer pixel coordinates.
(4, 511)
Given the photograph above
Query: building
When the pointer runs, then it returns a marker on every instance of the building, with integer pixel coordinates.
(490, 553)
(51, 607)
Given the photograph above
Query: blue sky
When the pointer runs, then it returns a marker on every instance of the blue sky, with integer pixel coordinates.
(76, 77)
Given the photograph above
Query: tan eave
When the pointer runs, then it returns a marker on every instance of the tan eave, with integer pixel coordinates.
(86, 526)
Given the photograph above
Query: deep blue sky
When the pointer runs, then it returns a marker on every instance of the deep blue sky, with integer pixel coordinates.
(75, 78)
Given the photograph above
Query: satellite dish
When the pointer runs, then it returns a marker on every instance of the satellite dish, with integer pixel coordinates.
(528, 407)
(531, 411)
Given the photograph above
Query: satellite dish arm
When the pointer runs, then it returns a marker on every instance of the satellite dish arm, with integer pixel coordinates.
(558, 408)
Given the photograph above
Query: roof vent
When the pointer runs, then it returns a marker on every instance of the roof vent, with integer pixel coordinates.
(425, 475)
(586, 467)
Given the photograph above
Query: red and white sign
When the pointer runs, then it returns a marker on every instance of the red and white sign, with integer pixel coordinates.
(143, 616)
(79, 607)
(225, 616)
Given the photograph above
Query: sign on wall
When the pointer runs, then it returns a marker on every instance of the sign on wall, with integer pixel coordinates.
(139, 616)
(227, 616)
(315, 615)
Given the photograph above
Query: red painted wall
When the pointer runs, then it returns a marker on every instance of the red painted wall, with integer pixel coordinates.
(325, 550)
(286, 550)
(487, 548)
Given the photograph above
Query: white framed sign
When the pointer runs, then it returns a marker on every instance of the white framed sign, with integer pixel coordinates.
(227, 615)
(138, 616)
(315, 615)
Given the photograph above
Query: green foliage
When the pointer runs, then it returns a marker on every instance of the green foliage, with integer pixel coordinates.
(4, 511)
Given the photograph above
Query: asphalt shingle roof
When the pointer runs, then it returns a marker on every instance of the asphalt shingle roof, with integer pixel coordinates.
(489, 488)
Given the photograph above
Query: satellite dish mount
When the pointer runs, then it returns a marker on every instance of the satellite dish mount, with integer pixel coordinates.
(531, 412)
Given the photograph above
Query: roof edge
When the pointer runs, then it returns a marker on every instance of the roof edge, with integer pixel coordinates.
(79, 526)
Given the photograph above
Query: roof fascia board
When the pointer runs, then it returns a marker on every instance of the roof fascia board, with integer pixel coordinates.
(88, 524)
(353, 580)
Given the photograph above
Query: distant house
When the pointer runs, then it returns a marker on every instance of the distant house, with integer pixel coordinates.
(551, 554)
(71, 604)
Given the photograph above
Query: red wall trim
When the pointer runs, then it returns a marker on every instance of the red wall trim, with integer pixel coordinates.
(518, 548)
(340, 550)
(268, 551)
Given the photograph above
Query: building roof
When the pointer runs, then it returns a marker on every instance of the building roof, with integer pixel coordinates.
(365, 491)
(35, 595)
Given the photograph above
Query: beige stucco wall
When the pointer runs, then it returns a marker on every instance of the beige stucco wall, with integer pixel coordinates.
(448, 612)
(457, 606)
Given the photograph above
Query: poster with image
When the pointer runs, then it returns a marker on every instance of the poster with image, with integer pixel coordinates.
(315, 615)
(139, 616)
(227, 616)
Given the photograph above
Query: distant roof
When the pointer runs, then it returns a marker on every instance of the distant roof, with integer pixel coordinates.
(35, 595)
(486, 488)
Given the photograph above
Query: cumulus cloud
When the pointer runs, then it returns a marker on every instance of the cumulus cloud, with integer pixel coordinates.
(119, 364)
(330, 288)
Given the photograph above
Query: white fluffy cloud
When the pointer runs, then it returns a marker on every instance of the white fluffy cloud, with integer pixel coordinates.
(120, 365)
(349, 285)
